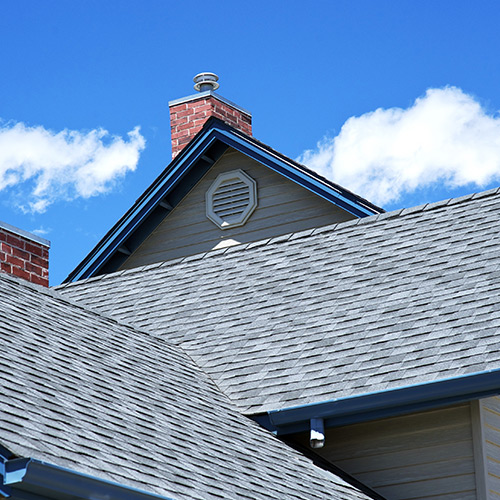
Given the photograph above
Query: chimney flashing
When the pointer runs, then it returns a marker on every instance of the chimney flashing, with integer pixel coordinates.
(24, 234)
(208, 93)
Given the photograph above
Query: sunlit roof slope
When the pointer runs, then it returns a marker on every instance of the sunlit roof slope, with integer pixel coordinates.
(388, 301)
(83, 392)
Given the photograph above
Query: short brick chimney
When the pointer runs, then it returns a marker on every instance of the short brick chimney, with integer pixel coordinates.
(24, 254)
(187, 115)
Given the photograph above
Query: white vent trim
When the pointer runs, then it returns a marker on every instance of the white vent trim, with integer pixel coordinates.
(231, 199)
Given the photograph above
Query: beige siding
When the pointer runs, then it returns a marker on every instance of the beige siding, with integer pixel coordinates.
(283, 207)
(424, 455)
(487, 450)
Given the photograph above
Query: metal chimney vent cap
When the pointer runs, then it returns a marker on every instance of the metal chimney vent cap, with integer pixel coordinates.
(205, 81)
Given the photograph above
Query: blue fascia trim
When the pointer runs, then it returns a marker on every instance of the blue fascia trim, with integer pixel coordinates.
(158, 191)
(216, 131)
(292, 173)
(382, 404)
(39, 477)
(14, 470)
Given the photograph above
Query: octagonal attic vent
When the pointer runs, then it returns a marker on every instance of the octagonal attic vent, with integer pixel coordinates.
(231, 199)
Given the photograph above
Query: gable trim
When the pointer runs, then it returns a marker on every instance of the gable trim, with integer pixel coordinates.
(383, 404)
(202, 152)
(354, 204)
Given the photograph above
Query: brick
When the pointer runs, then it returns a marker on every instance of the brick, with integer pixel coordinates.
(35, 249)
(6, 267)
(178, 135)
(21, 273)
(184, 140)
(32, 268)
(199, 123)
(5, 248)
(15, 261)
(38, 280)
(22, 254)
(38, 261)
(199, 115)
(203, 107)
(187, 112)
(184, 126)
(179, 107)
(15, 241)
(186, 120)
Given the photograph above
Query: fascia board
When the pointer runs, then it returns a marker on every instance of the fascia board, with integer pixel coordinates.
(57, 482)
(382, 404)
(132, 219)
(292, 173)
(215, 130)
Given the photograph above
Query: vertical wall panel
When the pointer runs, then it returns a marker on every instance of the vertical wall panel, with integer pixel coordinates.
(486, 420)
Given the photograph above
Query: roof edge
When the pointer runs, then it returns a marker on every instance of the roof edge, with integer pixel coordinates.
(383, 404)
(35, 476)
(213, 132)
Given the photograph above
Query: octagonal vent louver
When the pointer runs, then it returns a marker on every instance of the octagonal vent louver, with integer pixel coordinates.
(231, 199)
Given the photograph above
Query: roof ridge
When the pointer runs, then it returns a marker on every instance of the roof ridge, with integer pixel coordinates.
(400, 212)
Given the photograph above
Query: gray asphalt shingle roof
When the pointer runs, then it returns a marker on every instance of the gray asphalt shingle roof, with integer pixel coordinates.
(81, 391)
(383, 302)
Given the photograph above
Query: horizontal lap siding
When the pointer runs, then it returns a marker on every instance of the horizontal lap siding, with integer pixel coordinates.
(420, 456)
(283, 207)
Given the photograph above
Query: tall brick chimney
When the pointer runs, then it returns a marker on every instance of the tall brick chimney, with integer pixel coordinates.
(187, 115)
(24, 254)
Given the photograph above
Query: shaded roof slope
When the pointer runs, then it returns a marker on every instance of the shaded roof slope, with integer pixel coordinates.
(383, 302)
(84, 392)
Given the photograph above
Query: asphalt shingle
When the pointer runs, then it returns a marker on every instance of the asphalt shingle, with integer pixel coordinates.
(84, 392)
(389, 301)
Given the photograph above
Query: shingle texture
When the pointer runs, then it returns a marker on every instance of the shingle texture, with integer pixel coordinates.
(84, 392)
(391, 300)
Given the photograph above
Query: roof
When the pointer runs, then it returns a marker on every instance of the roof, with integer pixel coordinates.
(84, 392)
(183, 173)
(375, 304)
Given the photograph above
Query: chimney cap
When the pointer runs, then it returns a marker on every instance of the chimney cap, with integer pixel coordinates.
(205, 81)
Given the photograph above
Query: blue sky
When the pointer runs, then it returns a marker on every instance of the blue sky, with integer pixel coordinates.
(313, 74)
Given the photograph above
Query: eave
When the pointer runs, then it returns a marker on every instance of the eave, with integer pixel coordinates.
(182, 174)
(382, 404)
(27, 479)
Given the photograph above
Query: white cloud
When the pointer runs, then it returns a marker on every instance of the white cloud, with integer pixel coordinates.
(444, 138)
(46, 166)
(41, 231)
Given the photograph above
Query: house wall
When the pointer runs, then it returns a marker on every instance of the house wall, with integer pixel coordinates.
(486, 429)
(283, 207)
(427, 455)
